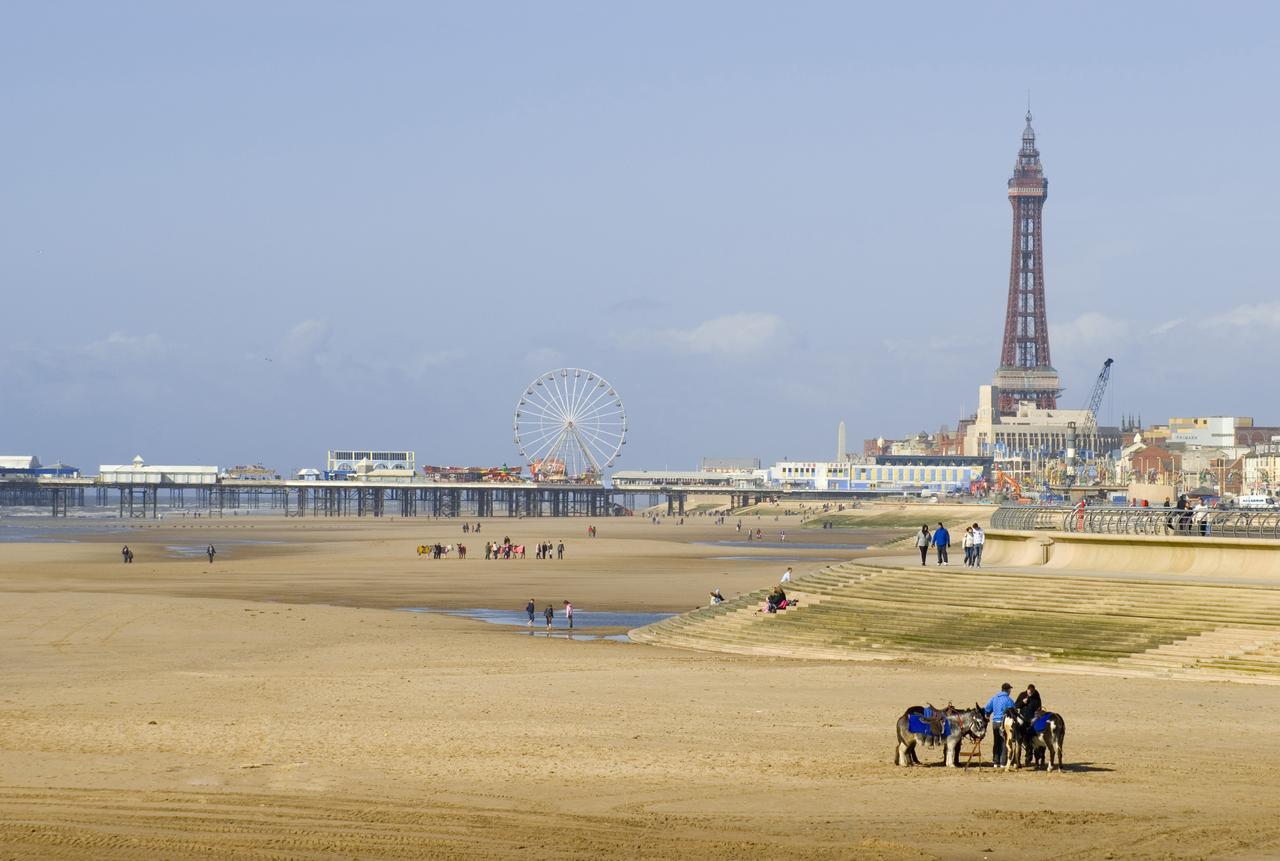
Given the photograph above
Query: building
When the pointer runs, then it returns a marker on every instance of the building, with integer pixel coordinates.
(1260, 470)
(905, 476)
(345, 461)
(1206, 431)
(1033, 434)
(1155, 464)
(657, 479)
(255, 472)
(730, 464)
(28, 466)
(1025, 372)
(139, 472)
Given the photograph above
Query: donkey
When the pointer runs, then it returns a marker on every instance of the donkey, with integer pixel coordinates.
(970, 723)
(1045, 735)
(1014, 734)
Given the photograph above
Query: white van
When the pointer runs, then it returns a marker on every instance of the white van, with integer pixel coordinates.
(1257, 501)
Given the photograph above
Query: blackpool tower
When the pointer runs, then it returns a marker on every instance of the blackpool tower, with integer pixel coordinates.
(1025, 372)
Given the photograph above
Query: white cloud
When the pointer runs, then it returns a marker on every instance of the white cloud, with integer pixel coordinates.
(1087, 330)
(119, 346)
(732, 334)
(544, 358)
(420, 365)
(1167, 326)
(305, 342)
(1262, 317)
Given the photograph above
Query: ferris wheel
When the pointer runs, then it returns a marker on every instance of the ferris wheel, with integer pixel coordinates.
(570, 425)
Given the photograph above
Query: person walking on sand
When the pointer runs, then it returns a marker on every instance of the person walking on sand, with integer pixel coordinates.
(210, 552)
(568, 614)
(531, 608)
(550, 614)
(967, 544)
(979, 539)
(560, 549)
(125, 554)
(942, 540)
(923, 540)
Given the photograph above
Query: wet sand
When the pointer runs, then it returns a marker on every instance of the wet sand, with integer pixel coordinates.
(275, 705)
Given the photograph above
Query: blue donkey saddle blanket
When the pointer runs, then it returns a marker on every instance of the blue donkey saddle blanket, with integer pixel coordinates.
(1041, 722)
(920, 724)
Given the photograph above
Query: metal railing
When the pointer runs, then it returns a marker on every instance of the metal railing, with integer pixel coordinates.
(1164, 522)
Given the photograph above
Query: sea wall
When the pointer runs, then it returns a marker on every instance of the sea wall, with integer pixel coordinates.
(1247, 558)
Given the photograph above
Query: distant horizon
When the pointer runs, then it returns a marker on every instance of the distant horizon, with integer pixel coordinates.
(241, 234)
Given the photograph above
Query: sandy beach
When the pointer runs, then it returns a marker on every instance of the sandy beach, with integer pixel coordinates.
(278, 704)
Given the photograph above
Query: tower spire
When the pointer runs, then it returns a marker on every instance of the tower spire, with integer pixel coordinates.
(1025, 372)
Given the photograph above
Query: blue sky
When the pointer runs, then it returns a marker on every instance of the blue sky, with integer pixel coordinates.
(236, 232)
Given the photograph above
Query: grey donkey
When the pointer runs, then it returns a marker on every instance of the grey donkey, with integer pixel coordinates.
(970, 723)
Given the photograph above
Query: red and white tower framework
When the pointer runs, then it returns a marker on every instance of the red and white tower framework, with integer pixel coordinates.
(1025, 372)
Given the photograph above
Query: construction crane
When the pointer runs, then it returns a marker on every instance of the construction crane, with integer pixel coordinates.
(1095, 399)
(1090, 427)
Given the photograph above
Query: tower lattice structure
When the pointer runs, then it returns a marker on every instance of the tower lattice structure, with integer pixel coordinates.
(1025, 372)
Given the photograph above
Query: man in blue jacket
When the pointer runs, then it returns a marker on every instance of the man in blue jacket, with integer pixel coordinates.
(942, 540)
(995, 709)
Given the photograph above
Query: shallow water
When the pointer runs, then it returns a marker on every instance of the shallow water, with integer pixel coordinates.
(192, 551)
(51, 532)
(784, 545)
(777, 558)
(582, 619)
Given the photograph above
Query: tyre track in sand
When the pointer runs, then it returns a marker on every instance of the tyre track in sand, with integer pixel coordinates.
(110, 825)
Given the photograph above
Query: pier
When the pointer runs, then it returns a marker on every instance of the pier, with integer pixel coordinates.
(317, 498)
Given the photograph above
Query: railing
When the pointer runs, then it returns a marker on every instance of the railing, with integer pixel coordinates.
(1165, 522)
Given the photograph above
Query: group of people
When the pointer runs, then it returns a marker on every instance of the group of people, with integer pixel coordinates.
(439, 551)
(546, 549)
(777, 600)
(503, 549)
(467, 527)
(549, 614)
(940, 539)
(1027, 704)
(1188, 518)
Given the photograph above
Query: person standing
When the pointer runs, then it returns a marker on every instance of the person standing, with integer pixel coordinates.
(1027, 704)
(531, 608)
(967, 544)
(923, 540)
(210, 552)
(979, 539)
(995, 709)
(560, 549)
(568, 613)
(786, 575)
(125, 554)
(550, 614)
(942, 540)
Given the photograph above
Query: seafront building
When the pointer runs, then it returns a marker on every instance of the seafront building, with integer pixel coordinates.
(139, 472)
(890, 475)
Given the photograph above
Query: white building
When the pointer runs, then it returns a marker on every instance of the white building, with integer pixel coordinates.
(1207, 431)
(139, 472)
(346, 460)
(1032, 432)
(873, 477)
(1262, 468)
